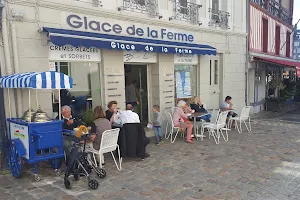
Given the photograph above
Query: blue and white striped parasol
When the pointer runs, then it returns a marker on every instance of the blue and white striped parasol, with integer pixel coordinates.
(37, 80)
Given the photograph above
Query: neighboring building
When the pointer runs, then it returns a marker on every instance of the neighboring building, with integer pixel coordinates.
(296, 51)
(270, 48)
(92, 41)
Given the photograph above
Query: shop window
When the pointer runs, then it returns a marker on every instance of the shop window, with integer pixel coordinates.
(265, 35)
(85, 94)
(185, 81)
(216, 75)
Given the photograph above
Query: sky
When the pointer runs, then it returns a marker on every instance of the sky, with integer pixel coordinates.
(296, 12)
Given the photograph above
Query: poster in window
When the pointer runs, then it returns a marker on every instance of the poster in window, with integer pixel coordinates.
(183, 84)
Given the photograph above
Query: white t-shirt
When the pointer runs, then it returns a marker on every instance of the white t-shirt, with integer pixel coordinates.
(224, 105)
(128, 117)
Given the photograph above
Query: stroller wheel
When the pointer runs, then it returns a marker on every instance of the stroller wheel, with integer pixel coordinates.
(67, 183)
(76, 177)
(93, 184)
(101, 173)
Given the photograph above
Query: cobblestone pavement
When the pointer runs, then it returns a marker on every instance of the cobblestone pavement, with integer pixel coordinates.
(263, 164)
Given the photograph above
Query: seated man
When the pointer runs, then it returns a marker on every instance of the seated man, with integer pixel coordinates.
(69, 124)
(227, 105)
(128, 116)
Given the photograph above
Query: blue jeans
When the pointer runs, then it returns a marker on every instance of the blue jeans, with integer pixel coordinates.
(206, 117)
(158, 133)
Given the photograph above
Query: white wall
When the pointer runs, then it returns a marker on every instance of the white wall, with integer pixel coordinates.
(230, 44)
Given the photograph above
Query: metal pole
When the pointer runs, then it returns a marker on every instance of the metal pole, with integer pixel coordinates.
(59, 105)
(3, 130)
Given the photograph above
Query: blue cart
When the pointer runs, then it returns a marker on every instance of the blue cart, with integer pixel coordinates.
(33, 142)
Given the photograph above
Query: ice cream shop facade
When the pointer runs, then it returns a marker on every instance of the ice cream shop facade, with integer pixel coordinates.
(104, 53)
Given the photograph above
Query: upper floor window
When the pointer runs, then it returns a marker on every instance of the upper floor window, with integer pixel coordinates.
(265, 35)
(296, 44)
(275, 8)
(218, 15)
(186, 10)
(288, 44)
(142, 6)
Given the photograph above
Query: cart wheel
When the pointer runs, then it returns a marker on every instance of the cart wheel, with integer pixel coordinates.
(93, 184)
(37, 177)
(55, 163)
(14, 160)
(102, 173)
(57, 172)
(76, 177)
(67, 183)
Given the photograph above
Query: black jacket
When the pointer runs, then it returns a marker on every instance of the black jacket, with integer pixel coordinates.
(136, 140)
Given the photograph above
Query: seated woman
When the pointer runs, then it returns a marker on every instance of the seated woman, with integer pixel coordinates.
(198, 106)
(180, 119)
(99, 125)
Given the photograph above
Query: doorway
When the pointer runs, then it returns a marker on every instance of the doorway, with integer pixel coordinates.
(138, 76)
(214, 82)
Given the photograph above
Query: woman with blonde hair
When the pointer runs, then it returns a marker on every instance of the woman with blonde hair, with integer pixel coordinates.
(180, 119)
(198, 105)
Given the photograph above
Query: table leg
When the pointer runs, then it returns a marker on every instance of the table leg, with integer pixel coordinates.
(195, 128)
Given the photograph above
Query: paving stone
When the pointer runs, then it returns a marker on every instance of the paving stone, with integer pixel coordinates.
(260, 165)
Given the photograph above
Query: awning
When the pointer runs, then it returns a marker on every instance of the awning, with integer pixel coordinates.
(37, 80)
(62, 37)
(279, 61)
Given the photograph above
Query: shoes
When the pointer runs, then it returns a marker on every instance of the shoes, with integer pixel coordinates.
(189, 141)
(157, 144)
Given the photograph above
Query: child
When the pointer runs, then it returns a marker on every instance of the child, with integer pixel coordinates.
(157, 124)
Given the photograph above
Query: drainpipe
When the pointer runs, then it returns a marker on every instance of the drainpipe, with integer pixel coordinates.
(7, 56)
(16, 64)
(247, 52)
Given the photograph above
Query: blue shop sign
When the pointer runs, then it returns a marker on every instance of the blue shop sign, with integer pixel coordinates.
(78, 22)
(62, 37)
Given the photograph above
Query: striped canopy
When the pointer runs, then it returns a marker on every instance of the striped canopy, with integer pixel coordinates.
(37, 80)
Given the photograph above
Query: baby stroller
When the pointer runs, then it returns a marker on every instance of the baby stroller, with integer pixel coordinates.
(79, 163)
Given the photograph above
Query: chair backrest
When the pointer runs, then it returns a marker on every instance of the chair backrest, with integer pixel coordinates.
(109, 140)
(221, 122)
(170, 119)
(214, 116)
(173, 110)
(246, 111)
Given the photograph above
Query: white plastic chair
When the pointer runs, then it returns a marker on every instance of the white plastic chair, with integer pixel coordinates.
(213, 120)
(172, 129)
(173, 110)
(109, 143)
(245, 116)
(216, 130)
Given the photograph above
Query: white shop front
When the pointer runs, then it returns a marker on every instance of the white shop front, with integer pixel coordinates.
(100, 55)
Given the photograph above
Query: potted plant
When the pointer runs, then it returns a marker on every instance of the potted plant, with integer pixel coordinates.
(274, 103)
(88, 116)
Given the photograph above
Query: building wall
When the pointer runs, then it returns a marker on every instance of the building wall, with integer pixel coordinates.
(231, 47)
(296, 45)
(255, 32)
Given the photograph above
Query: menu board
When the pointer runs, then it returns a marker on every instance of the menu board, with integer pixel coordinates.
(183, 84)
